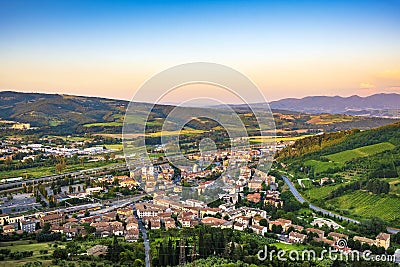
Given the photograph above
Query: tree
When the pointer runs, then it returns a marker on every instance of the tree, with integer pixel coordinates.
(60, 253)
(263, 222)
(82, 161)
(46, 228)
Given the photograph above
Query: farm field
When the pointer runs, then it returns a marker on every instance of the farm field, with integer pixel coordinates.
(258, 139)
(318, 193)
(338, 160)
(105, 124)
(321, 166)
(344, 156)
(23, 245)
(366, 205)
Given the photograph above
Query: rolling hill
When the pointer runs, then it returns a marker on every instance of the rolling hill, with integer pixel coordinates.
(379, 105)
(55, 113)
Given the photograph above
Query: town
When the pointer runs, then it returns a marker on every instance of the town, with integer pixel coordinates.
(105, 205)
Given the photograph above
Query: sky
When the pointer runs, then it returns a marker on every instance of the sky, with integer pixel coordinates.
(287, 48)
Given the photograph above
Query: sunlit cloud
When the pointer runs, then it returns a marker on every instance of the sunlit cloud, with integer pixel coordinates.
(366, 86)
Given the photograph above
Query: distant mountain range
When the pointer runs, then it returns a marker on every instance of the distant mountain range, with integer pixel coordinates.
(67, 114)
(378, 105)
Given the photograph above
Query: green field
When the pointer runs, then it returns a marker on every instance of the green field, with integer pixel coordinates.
(318, 193)
(289, 247)
(105, 124)
(366, 204)
(344, 156)
(23, 245)
(114, 146)
(321, 166)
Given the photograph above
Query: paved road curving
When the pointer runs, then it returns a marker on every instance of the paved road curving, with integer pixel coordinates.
(301, 199)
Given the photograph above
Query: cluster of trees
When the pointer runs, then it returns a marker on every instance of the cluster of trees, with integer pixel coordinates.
(15, 255)
(203, 242)
(375, 186)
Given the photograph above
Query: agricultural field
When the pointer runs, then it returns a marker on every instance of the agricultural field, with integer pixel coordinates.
(318, 193)
(104, 124)
(117, 147)
(171, 133)
(365, 205)
(23, 245)
(259, 139)
(321, 166)
(344, 156)
(329, 119)
(394, 185)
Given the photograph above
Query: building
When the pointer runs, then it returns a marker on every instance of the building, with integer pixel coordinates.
(28, 226)
(21, 126)
(97, 250)
(295, 237)
(8, 229)
(364, 240)
(383, 240)
(337, 236)
(256, 197)
(52, 219)
(320, 233)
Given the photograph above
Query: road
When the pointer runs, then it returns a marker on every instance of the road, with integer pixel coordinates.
(301, 199)
(145, 237)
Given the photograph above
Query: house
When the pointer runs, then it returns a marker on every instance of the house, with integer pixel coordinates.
(97, 250)
(364, 240)
(296, 228)
(255, 185)
(295, 237)
(337, 236)
(320, 233)
(110, 216)
(154, 224)
(131, 226)
(319, 222)
(256, 197)
(52, 219)
(260, 230)
(169, 223)
(8, 229)
(127, 211)
(282, 222)
(132, 235)
(239, 226)
(57, 229)
(213, 222)
(324, 240)
(383, 240)
(93, 190)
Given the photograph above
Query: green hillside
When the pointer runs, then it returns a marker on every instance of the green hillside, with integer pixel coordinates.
(365, 151)
(362, 168)
(66, 114)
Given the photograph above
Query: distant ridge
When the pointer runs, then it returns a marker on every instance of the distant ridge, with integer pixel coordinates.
(380, 105)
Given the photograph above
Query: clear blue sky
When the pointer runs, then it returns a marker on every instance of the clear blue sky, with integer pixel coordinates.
(289, 48)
